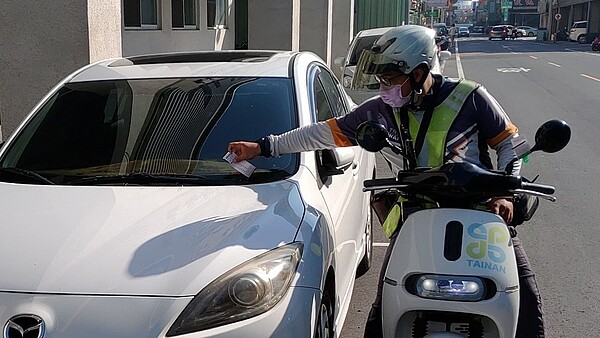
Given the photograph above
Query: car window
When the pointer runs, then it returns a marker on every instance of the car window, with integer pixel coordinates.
(361, 44)
(580, 25)
(323, 109)
(158, 126)
(331, 89)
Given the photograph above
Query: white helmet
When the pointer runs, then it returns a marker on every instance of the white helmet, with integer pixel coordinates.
(400, 49)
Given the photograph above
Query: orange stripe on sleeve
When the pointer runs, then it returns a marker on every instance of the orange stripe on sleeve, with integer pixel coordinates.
(340, 139)
(510, 130)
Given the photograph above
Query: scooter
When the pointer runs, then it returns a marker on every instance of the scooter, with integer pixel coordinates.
(452, 271)
(596, 44)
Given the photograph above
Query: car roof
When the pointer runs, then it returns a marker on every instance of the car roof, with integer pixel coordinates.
(191, 64)
(373, 31)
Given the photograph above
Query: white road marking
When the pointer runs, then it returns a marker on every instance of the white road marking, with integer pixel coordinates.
(554, 64)
(461, 73)
(513, 70)
(533, 57)
(590, 77)
(381, 244)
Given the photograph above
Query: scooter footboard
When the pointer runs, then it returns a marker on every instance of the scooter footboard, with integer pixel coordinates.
(452, 266)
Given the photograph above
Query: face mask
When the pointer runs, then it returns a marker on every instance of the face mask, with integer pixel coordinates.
(393, 95)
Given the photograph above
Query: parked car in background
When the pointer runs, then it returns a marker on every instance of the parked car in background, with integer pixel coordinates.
(500, 32)
(137, 226)
(578, 32)
(527, 31)
(440, 28)
(463, 31)
(478, 29)
(365, 39)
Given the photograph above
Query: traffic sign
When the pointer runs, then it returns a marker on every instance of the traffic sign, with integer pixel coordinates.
(557, 16)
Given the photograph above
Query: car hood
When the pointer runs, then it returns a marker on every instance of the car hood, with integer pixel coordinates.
(168, 241)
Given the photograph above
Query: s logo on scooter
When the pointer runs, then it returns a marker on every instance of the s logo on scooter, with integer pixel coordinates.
(484, 248)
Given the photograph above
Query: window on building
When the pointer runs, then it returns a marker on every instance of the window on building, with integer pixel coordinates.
(216, 13)
(183, 13)
(140, 13)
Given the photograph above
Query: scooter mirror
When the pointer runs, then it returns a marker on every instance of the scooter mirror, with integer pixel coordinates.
(552, 136)
(372, 136)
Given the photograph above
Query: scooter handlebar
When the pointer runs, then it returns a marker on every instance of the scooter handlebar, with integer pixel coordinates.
(541, 188)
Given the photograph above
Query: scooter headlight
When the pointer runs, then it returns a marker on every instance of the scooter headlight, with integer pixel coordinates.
(457, 288)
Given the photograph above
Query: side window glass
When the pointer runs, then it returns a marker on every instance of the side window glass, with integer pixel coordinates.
(331, 88)
(321, 104)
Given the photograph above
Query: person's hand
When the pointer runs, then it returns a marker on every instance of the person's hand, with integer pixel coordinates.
(502, 207)
(244, 150)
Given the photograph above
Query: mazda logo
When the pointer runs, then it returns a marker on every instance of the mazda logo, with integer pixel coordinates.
(25, 326)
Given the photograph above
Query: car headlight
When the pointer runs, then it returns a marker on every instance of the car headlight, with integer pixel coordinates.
(245, 291)
(460, 288)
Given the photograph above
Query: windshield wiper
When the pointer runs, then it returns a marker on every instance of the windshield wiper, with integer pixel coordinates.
(19, 175)
(139, 178)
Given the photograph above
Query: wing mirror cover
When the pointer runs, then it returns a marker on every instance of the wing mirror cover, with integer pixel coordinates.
(552, 136)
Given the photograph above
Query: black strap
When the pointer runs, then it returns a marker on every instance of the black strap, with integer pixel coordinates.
(418, 145)
(407, 143)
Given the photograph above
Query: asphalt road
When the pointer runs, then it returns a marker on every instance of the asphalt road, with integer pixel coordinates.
(534, 82)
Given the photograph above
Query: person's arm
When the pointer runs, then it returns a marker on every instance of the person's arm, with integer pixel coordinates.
(499, 131)
(337, 132)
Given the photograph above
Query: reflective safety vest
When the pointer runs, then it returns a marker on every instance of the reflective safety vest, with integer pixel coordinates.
(434, 148)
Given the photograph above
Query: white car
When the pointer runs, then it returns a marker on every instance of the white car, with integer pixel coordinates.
(527, 31)
(578, 32)
(120, 217)
(364, 40)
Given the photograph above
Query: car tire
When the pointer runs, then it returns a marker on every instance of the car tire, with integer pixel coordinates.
(366, 261)
(490, 39)
(530, 34)
(324, 327)
(582, 39)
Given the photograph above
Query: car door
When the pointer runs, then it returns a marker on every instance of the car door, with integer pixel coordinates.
(342, 192)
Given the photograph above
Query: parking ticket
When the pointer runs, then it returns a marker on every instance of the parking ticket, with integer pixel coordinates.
(244, 167)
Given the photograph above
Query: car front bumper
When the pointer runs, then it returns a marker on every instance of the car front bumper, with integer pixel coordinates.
(115, 316)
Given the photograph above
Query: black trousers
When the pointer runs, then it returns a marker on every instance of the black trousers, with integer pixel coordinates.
(531, 314)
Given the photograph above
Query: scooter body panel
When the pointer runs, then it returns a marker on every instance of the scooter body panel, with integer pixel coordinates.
(452, 242)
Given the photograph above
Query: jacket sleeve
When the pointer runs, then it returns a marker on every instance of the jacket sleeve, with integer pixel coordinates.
(336, 132)
(497, 129)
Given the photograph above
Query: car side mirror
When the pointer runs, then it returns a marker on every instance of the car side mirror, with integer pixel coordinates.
(552, 136)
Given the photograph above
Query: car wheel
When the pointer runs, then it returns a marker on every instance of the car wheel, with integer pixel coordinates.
(530, 34)
(581, 39)
(490, 39)
(324, 328)
(365, 263)
(519, 35)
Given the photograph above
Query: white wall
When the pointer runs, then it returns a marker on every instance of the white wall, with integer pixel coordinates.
(104, 25)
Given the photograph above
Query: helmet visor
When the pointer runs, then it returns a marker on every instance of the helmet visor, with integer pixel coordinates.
(371, 64)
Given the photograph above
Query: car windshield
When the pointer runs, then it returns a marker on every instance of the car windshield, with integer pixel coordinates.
(152, 130)
(361, 44)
